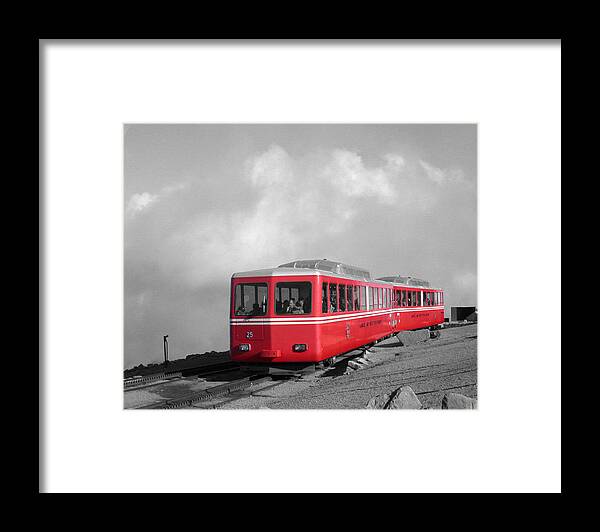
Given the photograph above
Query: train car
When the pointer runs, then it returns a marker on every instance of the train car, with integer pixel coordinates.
(313, 310)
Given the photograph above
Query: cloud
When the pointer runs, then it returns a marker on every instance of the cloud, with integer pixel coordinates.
(441, 176)
(139, 202)
(270, 168)
(347, 172)
(292, 205)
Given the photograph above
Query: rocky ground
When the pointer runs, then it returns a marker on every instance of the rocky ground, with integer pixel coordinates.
(432, 368)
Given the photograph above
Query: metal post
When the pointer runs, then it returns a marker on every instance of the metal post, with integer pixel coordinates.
(166, 349)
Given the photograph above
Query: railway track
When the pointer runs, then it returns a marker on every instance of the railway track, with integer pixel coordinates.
(158, 378)
(204, 395)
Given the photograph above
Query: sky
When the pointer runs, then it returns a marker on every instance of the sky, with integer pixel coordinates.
(203, 201)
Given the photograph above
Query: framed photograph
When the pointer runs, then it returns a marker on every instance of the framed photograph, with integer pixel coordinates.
(322, 251)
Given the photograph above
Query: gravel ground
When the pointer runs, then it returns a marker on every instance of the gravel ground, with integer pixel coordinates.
(430, 366)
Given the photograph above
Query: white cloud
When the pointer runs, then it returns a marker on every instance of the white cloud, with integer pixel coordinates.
(348, 174)
(440, 176)
(272, 167)
(301, 204)
(143, 201)
(138, 202)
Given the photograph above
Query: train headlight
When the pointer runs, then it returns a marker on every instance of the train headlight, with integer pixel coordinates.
(299, 347)
(244, 347)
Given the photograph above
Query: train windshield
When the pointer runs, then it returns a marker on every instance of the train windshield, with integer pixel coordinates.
(293, 298)
(251, 299)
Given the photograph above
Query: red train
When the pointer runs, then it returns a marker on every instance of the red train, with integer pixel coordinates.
(313, 310)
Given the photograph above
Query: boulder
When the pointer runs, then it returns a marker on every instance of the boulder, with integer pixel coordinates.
(404, 398)
(379, 401)
(457, 400)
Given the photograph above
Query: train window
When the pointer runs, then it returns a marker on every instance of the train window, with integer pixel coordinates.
(333, 305)
(363, 298)
(324, 305)
(251, 299)
(342, 298)
(350, 297)
(381, 297)
(370, 298)
(293, 298)
(415, 300)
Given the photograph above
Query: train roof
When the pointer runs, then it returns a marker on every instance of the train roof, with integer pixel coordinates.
(406, 280)
(311, 267)
(330, 267)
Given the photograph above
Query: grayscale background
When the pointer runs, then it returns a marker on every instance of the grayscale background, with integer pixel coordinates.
(204, 201)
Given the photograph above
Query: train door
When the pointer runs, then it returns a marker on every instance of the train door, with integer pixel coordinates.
(397, 313)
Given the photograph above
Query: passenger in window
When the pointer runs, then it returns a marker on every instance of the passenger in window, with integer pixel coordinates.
(255, 309)
(291, 306)
(241, 310)
(299, 308)
(285, 307)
